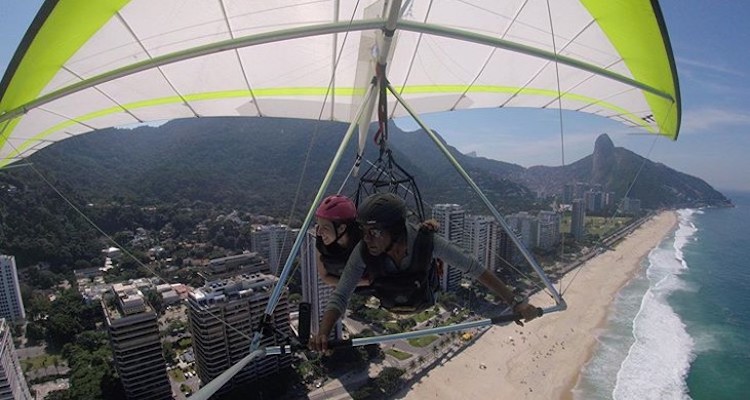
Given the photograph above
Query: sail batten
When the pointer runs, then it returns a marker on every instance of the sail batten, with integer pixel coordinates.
(136, 61)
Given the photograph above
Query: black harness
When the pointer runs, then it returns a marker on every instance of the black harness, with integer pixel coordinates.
(410, 290)
(334, 257)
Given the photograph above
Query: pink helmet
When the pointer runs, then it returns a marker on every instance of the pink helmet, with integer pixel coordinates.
(337, 208)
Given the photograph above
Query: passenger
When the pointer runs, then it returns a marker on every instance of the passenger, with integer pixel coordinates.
(336, 234)
(398, 255)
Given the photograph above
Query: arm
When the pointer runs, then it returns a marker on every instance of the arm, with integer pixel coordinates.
(319, 342)
(453, 255)
(497, 286)
(355, 266)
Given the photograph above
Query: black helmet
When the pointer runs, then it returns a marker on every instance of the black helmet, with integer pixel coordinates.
(384, 209)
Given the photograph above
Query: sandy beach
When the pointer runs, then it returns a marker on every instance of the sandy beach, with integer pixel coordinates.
(543, 359)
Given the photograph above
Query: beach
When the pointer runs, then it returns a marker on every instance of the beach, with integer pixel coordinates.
(543, 359)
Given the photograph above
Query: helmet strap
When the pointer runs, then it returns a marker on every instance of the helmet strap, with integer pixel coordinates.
(336, 229)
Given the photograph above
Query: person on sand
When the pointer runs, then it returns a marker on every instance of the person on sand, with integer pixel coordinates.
(398, 255)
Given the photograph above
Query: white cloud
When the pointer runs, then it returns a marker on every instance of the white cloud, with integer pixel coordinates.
(712, 119)
(712, 67)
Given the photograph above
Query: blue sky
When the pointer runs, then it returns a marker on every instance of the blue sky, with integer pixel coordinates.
(709, 40)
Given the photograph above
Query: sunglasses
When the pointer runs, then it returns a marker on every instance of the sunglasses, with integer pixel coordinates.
(375, 233)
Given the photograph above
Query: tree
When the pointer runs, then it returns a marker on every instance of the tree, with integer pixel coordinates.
(154, 298)
(389, 380)
(168, 351)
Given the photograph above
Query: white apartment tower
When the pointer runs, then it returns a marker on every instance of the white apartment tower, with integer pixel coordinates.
(136, 345)
(274, 243)
(477, 235)
(549, 229)
(314, 290)
(223, 316)
(12, 383)
(527, 226)
(451, 219)
(11, 304)
(578, 220)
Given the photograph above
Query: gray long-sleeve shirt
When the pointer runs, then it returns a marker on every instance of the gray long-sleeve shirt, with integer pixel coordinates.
(355, 267)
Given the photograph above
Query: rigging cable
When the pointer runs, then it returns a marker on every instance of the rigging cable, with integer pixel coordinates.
(112, 240)
(560, 113)
(614, 214)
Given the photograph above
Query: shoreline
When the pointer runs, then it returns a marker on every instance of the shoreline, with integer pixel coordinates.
(544, 359)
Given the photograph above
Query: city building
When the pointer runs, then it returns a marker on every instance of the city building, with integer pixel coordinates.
(549, 229)
(527, 226)
(594, 201)
(11, 304)
(451, 218)
(274, 243)
(223, 315)
(245, 263)
(503, 252)
(12, 382)
(314, 290)
(631, 206)
(477, 233)
(136, 345)
(578, 220)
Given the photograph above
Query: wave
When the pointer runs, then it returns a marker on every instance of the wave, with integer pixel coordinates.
(659, 358)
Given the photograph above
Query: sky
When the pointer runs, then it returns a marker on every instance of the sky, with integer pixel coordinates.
(709, 42)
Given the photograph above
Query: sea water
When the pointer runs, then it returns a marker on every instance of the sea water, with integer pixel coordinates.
(681, 328)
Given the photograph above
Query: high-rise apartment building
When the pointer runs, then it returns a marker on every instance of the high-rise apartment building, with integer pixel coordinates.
(594, 200)
(477, 233)
(246, 263)
(136, 345)
(11, 304)
(314, 290)
(223, 316)
(274, 243)
(12, 382)
(630, 206)
(503, 252)
(527, 226)
(451, 218)
(549, 229)
(578, 220)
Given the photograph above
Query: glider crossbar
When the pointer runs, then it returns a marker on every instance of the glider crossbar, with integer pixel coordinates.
(212, 387)
(334, 344)
(526, 254)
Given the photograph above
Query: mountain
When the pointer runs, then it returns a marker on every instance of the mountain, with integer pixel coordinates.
(258, 164)
(616, 169)
(263, 164)
(270, 166)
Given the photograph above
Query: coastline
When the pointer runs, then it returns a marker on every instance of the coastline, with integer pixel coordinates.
(543, 360)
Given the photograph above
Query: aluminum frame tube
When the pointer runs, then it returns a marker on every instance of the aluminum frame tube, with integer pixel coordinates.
(558, 299)
(276, 294)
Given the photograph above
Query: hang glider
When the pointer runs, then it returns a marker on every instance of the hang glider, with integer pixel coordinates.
(87, 65)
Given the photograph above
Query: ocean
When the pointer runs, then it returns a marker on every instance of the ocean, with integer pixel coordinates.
(681, 328)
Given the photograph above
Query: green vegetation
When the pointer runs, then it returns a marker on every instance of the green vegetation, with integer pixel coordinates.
(423, 341)
(426, 314)
(401, 355)
(177, 375)
(384, 385)
(92, 375)
(601, 226)
(42, 361)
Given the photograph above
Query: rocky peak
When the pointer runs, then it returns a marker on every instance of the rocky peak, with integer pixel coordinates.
(603, 158)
